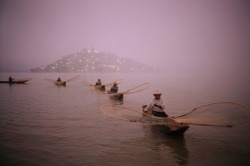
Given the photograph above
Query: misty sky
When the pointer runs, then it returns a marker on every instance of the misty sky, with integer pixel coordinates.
(189, 35)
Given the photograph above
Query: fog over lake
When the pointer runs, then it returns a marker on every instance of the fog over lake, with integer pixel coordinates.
(175, 36)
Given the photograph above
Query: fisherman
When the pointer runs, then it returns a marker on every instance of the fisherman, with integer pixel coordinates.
(156, 107)
(114, 88)
(98, 83)
(10, 79)
(58, 79)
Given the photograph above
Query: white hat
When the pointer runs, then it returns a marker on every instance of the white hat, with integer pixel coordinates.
(157, 92)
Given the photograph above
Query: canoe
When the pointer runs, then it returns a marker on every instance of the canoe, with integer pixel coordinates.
(100, 87)
(166, 125)
(60, 83)
(15, 82)
(118, 96)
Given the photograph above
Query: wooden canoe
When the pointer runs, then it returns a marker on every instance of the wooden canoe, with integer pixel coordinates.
(100, 87)
(15, 82)
(166, 125)
(60, 83)
(118, 96)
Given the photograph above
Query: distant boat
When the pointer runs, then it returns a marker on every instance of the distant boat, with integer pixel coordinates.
(120, 95)
(100, 87)
(15, 82)
(62, 83)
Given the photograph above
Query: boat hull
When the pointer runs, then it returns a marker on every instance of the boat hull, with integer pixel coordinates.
(166, 125)
(100, 87)
(14, 82)
(60, 83)
(116, 96)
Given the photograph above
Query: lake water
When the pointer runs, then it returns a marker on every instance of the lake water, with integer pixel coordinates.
(43, 124)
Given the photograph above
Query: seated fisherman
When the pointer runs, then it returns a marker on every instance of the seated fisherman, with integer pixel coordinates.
(157, 106)
(10, 79)
(114, 88)
(98, 82)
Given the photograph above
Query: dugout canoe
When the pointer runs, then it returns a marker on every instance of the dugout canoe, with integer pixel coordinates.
(166, 125)
(118, 96)
(100, 87)
(14, 82)
(60, 83)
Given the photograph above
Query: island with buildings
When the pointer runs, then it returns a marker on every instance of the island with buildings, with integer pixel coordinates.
(91, 60)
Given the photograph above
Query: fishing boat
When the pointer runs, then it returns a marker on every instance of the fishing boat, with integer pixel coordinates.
(15, 82)
(60, 83)
(118, 96)
(100, 87)
(166, 125)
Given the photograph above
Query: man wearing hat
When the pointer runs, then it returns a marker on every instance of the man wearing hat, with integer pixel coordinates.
(157, 106)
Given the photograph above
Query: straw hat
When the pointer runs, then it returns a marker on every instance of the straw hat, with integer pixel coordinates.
(157, 92)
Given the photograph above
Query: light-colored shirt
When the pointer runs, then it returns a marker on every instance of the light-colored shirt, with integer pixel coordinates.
(159, 102)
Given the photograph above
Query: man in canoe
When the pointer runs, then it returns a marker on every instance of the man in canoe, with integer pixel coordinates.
(10, 79)
(58, 79)
(156, 107)
(114, 88)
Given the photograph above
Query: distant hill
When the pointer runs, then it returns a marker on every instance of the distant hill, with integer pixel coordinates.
(94, 61)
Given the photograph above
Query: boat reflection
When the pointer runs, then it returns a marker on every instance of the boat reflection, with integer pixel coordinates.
(174, 142)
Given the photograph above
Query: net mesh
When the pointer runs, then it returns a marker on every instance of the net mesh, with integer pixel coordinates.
(225, 114)
(220, 113)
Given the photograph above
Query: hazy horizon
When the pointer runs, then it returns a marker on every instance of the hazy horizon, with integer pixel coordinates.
(174, 36)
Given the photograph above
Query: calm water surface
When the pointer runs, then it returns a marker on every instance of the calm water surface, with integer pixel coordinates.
(42, 124)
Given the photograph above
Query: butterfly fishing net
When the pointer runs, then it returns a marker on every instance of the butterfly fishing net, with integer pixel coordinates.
(227, 114)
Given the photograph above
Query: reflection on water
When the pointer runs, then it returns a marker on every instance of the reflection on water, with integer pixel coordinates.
(174, 143)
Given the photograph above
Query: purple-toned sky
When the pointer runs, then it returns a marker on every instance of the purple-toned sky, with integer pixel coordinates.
(194, 35)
